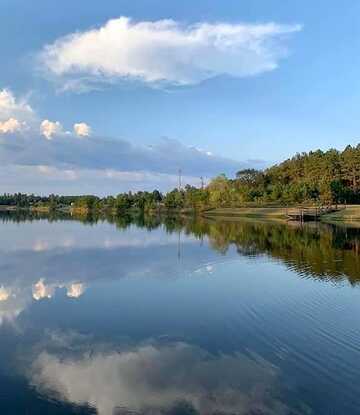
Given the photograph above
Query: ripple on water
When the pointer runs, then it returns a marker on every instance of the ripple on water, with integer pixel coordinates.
(311, 331)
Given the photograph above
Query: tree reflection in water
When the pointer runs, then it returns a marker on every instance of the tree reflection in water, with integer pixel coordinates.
(318, 250)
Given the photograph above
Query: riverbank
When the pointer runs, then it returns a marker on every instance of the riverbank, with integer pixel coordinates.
(347, 214)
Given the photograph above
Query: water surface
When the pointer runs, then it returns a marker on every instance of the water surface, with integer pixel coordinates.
(178, 316)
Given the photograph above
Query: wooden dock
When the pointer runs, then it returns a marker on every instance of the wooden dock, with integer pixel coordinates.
(305, 214)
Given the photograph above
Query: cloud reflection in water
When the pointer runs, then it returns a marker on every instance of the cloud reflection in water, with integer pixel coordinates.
(155, 379)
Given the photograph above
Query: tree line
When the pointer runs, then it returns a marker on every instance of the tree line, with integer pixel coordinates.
(315, 177)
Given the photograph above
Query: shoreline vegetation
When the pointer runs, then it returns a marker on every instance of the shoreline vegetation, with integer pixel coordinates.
(346, 214)
(300, 246)
(309, 180)
(349, 216)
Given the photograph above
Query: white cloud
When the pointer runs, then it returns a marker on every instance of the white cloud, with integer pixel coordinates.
(7, 101)
(50, 128)
(46, 170)
(12, 107)
(166, 50)
(41, 290)
(12, 125)
(75, 290)
(82, 129)
(4, 294)
(15, 114)
(57, 174)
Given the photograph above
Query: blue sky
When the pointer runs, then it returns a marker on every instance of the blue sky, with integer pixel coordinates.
(244, 98)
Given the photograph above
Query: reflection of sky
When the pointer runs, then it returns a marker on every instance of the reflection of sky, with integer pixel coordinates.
(39, 258)
(4, 294)
(42, 290)
(145, 326)
(16, 297)
(152, 378)
(41, 236)
(156, 341)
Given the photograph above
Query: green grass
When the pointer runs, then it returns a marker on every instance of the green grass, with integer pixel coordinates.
(351, 213)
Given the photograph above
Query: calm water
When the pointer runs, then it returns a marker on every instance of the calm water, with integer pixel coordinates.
(178, 317)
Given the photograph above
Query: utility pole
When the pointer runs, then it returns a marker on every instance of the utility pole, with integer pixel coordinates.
(179, 246)
(202, 183)
(180, 179)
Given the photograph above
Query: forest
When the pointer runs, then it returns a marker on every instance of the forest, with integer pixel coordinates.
(316, 177)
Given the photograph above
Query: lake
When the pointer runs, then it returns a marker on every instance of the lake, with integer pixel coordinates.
(177, 316)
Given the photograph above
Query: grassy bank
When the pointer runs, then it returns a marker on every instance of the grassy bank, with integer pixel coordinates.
(351, 214)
